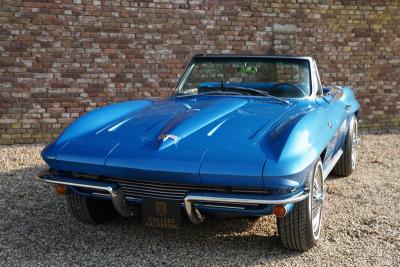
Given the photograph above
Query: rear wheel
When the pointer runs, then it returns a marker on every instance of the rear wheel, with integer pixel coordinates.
(300, 229)
(347, 162)
(90, 211)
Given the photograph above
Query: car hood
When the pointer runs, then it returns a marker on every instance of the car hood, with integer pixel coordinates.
(198, 139)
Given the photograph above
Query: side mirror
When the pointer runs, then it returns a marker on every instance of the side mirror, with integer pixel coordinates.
(339, 94)
(332, 93)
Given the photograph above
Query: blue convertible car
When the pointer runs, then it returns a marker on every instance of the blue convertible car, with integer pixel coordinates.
(243, 135)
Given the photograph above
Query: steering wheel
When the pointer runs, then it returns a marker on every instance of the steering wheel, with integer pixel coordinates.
(287, 93)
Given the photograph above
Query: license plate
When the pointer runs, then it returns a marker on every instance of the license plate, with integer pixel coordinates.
(161, 213)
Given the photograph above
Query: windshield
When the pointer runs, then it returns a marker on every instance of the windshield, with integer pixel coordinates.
(279, 77)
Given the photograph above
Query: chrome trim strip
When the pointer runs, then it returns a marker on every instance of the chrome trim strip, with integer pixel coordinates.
(63, 181)
(154, 195)
(152, 189)
(177, 187)
(100, 194)
(195, 216)
(146, 190)
(332, 164)
(117, 196)
(133, 198)
(135, 181)
(223, 207)
(201, 197)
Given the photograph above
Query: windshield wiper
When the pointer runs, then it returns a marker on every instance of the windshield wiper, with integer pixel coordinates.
(225, 91)
(248, 89)
(216, 92)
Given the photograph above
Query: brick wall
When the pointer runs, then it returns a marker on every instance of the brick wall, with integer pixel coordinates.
(59, 59)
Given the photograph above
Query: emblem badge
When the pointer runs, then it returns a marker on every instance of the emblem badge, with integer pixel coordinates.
(161, 208)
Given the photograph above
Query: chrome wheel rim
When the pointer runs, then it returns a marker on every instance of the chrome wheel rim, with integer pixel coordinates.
(354, 142)
(317, 202)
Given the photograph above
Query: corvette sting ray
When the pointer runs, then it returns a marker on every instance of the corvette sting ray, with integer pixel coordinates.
(241, 135)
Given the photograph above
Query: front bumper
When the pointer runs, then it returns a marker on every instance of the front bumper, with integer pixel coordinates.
(116, 194)
(192, 200)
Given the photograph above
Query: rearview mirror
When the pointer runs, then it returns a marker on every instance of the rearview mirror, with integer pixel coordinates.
(247, 69)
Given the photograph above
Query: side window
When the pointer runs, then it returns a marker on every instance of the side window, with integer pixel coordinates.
(319, 89)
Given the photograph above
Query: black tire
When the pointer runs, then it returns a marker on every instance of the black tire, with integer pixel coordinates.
(346, 163)
(296, 228)
(90, 211)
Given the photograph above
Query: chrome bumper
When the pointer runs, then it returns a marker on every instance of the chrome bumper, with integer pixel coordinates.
(115, 192)
(222, 198)
(190, 200)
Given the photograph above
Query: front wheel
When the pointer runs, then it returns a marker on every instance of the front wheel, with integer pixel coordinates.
(90, 211)
(301, 228)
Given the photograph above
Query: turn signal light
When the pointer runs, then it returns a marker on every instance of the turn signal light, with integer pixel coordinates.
(279, 211)
(61, 189)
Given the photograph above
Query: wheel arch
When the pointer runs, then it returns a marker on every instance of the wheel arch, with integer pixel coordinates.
(323, 155)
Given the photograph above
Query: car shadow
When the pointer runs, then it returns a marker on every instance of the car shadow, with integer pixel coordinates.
(37, 227)
(333, 177)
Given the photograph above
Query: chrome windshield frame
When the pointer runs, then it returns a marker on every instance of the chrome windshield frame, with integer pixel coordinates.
(311, 63)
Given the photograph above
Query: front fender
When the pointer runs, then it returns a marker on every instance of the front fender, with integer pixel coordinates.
(99, 118)
(302, 137)
(90, 122)
(295, 145)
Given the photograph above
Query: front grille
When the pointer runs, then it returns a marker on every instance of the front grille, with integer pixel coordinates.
(142, 189)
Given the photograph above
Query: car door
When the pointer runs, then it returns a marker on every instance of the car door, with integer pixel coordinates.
(335, 117)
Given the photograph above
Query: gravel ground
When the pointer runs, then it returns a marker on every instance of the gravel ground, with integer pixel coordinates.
(361, 225)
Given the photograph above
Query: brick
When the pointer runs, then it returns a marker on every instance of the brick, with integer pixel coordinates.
(55, 111)
(118, 51)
